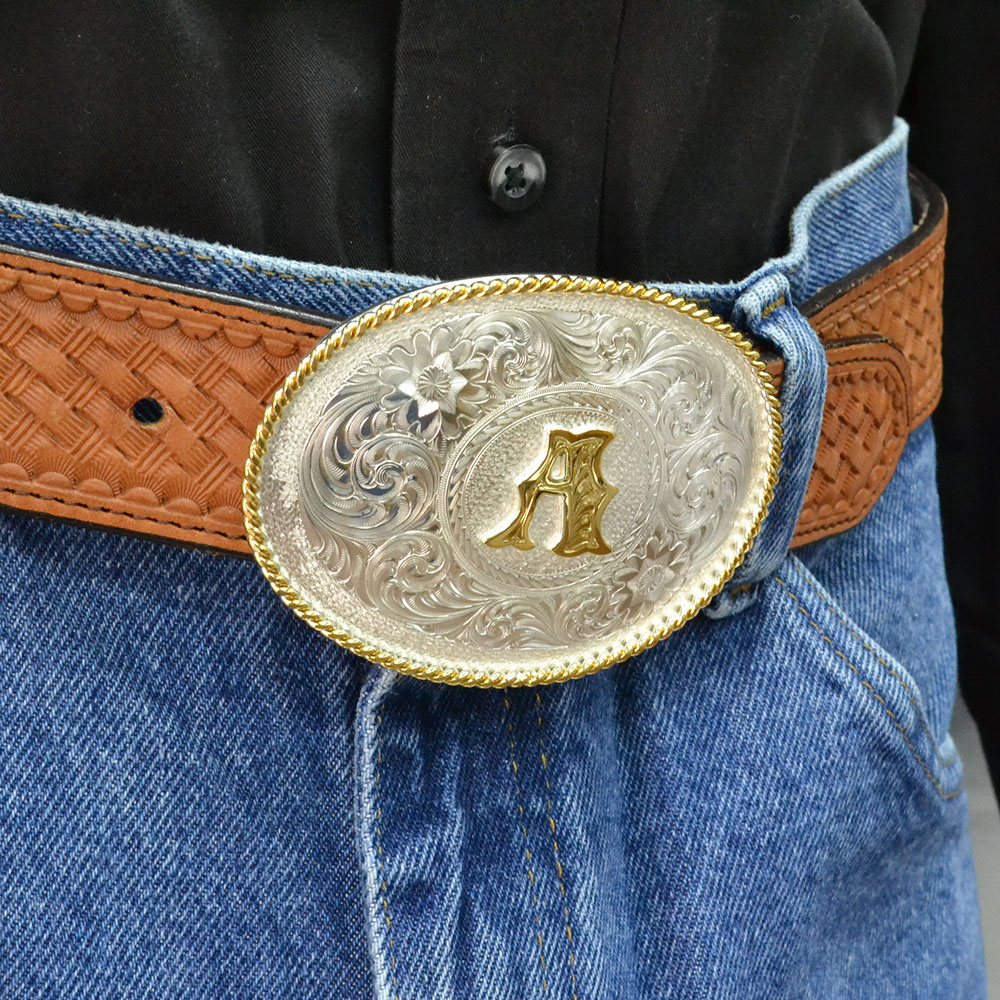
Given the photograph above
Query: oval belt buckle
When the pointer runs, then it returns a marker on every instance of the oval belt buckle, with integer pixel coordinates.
(515, 480)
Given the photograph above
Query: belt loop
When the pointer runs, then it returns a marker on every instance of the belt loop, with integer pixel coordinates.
(765, 311)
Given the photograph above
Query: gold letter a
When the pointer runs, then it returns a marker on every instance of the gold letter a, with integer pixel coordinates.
(571, 469)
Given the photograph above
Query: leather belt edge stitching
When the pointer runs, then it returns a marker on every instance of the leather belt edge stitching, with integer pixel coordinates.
(872, 305)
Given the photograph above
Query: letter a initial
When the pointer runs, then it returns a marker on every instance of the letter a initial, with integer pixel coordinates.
(570, 469)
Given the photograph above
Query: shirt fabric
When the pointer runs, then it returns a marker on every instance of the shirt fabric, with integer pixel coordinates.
(677, 136)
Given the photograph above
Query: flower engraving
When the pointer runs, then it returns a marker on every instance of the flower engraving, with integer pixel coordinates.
(436, 387)
(650, 570)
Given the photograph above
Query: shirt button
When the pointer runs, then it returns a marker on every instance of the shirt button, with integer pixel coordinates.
(516, 177)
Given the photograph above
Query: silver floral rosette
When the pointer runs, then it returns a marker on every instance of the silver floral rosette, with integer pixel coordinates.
(515, 487)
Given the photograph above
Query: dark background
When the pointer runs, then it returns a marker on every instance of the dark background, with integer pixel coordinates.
(953, 106)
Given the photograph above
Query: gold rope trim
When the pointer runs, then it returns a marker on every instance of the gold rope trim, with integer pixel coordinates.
(460, 292)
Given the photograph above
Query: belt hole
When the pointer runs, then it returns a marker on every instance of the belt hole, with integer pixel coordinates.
(147, 410)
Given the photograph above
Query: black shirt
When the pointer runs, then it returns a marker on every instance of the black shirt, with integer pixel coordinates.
(677, 135)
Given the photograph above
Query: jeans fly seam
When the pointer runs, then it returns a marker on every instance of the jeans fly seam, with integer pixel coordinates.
(519, 799)
(949, 762)
(383, 887)
(19, 216)
(867, 685)
(555, 847)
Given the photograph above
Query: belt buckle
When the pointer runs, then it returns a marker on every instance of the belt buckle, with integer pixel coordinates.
(514, 480)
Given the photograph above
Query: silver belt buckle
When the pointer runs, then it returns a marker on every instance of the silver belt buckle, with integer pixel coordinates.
(514, 480)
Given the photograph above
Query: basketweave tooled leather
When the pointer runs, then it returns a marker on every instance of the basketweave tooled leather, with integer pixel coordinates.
(79, 347)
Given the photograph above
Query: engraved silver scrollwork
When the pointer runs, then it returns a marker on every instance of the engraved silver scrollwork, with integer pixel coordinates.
(414, 462)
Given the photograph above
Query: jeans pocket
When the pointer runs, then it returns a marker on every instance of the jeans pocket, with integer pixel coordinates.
(887, 697)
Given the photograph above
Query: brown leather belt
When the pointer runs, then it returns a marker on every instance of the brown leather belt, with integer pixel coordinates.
(80, 348)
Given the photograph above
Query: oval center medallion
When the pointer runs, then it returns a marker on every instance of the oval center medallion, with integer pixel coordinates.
(513, 481)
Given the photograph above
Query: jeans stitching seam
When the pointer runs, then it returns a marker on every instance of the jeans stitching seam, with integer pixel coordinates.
(555, 847)
(383, 887)
(893, 673)
(519, 799)
(871, 690)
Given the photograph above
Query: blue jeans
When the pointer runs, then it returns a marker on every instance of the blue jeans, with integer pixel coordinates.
(201, 797)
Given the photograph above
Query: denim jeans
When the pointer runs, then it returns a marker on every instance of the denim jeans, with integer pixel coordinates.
(201, 797)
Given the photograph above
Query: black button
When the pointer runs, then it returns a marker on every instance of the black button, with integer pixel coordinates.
(516, 177)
